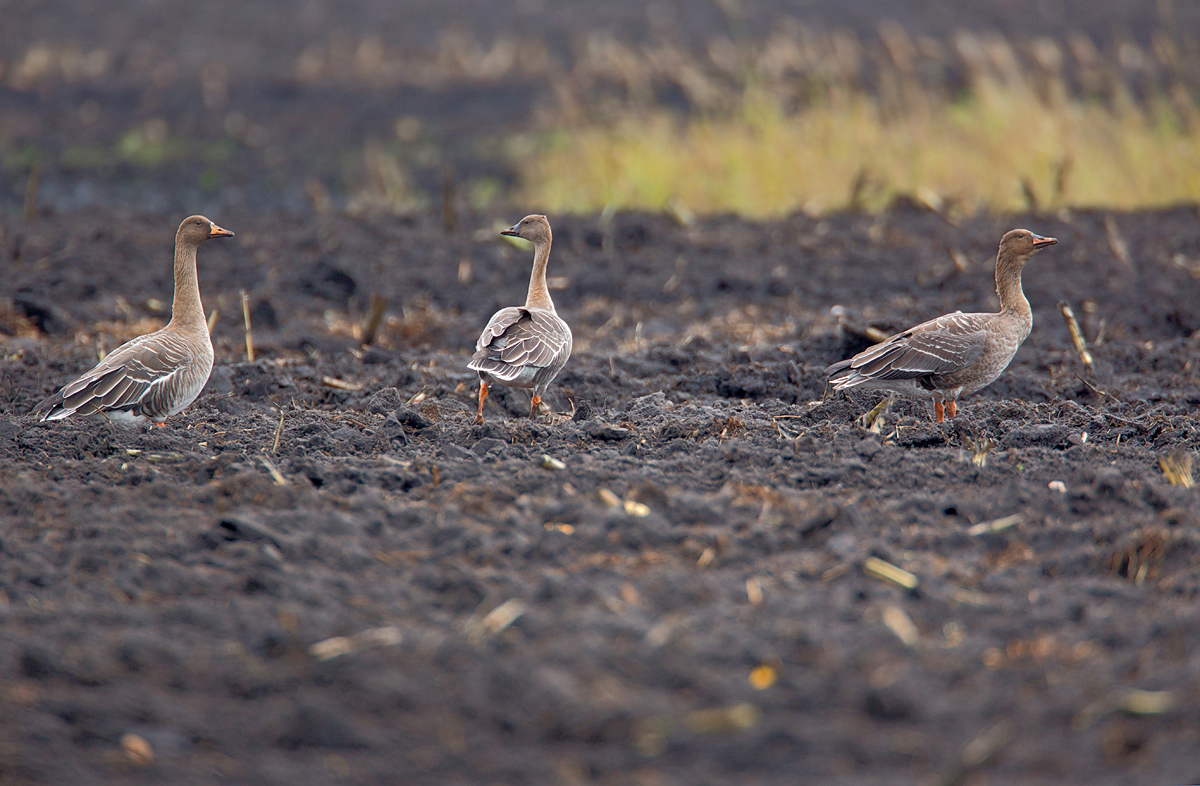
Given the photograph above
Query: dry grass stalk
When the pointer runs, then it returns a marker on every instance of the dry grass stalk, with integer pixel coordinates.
(1076, 334)
(980, 450)
(1062, 176)
(901, 624)
(1145, 702)
(736, 717)
(341, 384)
(872, 420)
(969, 597)
(1031, 199)
(857, 189)
(886, 571)
(479, 627)
(1092, 323)
(836, 571)
(680, 212)
(1116, 241)
(754, 591)
(1177, 466)
(996, 525)
(672, 283)
(374, 318)
(246, 322)
(329, 649)
(278, 432)
(212, 319)
(985, 745)
(276, 475)
(1134, 701)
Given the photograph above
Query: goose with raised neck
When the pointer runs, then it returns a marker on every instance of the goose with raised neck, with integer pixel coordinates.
(156, 375)
(524, 346)
(956, 354)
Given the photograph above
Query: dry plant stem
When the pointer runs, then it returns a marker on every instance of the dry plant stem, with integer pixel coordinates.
(1116, 241)
(1177, 467)
(276, 475)
(374, 318)
(340, 384)
(1092, 387)
(1076, 334)
(1031, 199)
(1093, 324)
(879, 410)
(246, 320)
(278, 432)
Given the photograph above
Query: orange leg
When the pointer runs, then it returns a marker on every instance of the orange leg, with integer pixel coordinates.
(939, 411)
(951, 408)
(483, 394)
(534, 403)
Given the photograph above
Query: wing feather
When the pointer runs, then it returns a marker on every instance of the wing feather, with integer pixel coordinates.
(941, 346)
(140, 375)
(519, 338)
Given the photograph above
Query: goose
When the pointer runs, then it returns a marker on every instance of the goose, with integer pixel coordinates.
(157, 375)
(524, 346)
(955, 354)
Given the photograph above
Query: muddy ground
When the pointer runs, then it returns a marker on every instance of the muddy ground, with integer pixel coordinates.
(683, 598)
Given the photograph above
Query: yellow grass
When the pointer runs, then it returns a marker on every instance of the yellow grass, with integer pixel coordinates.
(972, 153)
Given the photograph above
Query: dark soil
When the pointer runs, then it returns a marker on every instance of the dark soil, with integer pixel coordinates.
(510, 622)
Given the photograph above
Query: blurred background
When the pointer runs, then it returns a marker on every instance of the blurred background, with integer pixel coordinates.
(759, 107)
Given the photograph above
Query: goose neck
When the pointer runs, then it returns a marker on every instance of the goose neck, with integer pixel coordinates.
(539, 293)
(1008, 287)
(186, 308)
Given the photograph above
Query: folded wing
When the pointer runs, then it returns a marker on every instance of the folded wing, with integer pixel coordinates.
(941, 346)
(139, 377)
(519, 338)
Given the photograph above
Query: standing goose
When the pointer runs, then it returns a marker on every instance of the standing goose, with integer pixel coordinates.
(956, 354)
(524, 346)
(156, 375)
